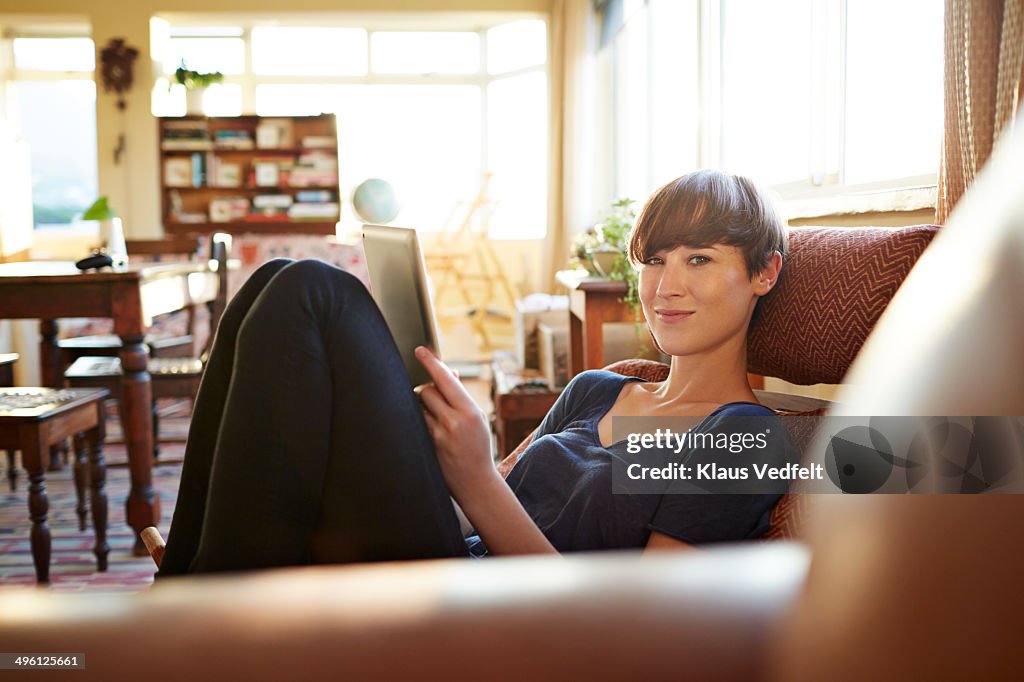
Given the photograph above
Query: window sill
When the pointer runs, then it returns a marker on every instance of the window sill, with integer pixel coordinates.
(877, 201)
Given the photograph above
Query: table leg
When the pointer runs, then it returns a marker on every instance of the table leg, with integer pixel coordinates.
(593, 334)
(98, 495)
(143, 504)
(576, 360)
(33, 454)
(52, 375)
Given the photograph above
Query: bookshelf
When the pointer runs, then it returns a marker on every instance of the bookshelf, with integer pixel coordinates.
(249, 174)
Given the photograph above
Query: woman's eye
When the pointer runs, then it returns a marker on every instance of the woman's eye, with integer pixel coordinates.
(653, 260)
(699, 260)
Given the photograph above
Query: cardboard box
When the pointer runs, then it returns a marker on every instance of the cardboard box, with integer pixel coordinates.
(553, 345)
(532, 311)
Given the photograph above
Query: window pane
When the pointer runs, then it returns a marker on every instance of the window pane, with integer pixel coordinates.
(517, 45)
(298, 100)
(632, 119)
(205, 55)
(309, 51)
(766, 89)
(58, 120)
(673, 72)
(893, 89)
(517, 155)
(425, 52)
(54, 54)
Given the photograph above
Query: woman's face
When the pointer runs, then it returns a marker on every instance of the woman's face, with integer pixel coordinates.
(697, 299)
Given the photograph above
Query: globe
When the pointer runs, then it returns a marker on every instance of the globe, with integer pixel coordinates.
(375, 201)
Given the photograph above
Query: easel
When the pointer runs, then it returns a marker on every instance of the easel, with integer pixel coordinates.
(465, 257)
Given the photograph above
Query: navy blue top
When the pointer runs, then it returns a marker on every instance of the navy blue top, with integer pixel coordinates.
(564, 480)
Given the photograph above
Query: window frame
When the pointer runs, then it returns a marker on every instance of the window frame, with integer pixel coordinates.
(824, 191)
(249, 80)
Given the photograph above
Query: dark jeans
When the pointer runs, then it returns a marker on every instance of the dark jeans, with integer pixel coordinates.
(307, 443)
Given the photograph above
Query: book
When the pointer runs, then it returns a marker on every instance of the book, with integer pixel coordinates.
(178, 171)
(228, 209)
(314, 196)
(319, 142)
(327, 210)
(266, 174)
(227, 174)
(274, 132)
(233, 139)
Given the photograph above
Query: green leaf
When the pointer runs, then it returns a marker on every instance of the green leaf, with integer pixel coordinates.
(100, 210)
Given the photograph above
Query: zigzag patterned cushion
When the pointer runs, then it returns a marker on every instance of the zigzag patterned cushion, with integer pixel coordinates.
(833, 288)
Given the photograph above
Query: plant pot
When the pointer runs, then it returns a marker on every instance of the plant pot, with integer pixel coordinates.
(604, 261)
(194, 101)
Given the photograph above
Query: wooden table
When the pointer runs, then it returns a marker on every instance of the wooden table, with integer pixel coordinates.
(132, 297)
(592, 302)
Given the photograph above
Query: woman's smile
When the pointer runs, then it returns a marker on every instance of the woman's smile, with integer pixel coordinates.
(669, 315)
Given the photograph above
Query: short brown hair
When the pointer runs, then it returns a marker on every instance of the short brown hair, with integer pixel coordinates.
(709, 207)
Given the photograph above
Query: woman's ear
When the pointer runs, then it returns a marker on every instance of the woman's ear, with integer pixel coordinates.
(769, 275)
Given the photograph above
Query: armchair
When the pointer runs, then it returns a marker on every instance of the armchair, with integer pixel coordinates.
(834, 287)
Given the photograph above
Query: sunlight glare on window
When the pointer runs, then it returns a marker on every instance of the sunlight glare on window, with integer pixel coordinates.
(309, 51)
(425, 52)
(894, 89)
(288, 99)
(432, 158)
(766, 89)
(54, 54)
(58, 120)
(223, 99)
(517, 155)
(516, 45)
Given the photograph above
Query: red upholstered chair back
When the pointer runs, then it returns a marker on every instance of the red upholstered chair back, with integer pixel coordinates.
(834, 286)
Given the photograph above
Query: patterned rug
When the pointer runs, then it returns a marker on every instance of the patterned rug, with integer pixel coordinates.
(72, 563)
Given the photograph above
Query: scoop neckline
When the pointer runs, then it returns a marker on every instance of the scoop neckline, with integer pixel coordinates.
(596, 434)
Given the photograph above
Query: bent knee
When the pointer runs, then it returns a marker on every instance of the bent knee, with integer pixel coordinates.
(309, 274)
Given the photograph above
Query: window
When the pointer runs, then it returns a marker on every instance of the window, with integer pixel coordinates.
(53, 106)
(425, 52)
(813, 97)
(430, 111)
(308, 51)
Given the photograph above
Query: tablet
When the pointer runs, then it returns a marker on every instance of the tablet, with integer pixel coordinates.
(398, 283)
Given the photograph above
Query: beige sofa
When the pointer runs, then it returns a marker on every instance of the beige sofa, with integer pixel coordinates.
(892, 587)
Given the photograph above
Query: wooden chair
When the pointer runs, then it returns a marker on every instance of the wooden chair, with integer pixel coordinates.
(33, 419)
(172, 377)
(156, 250)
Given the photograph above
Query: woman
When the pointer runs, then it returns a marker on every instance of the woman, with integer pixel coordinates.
(307, 444)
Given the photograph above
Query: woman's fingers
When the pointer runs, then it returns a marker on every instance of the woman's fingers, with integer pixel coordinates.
(444, 379)
(433, 401)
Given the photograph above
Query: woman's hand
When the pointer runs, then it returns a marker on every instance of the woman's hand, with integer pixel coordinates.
(459, 428)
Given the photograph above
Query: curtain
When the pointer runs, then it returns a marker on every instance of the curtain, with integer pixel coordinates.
(571, 89)
(984, 66)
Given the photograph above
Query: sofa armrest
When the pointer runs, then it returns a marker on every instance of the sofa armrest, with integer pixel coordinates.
(706, 615)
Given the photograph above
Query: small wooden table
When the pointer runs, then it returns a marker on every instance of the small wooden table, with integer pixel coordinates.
(592, 302)
(519, 406)
(132, 297)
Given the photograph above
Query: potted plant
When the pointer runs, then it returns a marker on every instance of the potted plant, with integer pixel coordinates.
(195, 84)
(602, 249)
(111, 231)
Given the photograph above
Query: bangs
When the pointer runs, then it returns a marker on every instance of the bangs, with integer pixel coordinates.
(706, 208)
